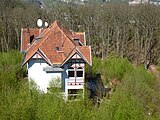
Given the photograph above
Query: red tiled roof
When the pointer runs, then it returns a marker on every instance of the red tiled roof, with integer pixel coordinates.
(83, 51)
(26, 34)
(53, 38)
(80, 36)
(86, 52)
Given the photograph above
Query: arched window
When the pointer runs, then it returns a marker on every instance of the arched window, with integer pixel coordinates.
(71, 72)
(79, 72)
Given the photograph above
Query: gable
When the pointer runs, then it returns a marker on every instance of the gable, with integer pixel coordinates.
(81, 53)
(76, 56)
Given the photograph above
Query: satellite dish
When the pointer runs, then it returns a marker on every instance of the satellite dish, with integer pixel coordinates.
(39, 23)
(46, 24)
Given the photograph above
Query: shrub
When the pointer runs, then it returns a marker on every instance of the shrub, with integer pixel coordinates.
(114, 67)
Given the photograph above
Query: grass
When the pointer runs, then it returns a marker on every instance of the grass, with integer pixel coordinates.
(136, 96)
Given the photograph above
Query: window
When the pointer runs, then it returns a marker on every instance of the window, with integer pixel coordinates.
(77, 41)
(31, 39)
(71, 72)
(80, 72)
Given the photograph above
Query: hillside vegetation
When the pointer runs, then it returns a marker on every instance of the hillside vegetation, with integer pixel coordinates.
(136, 97)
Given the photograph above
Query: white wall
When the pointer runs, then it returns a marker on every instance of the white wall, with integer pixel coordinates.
(42, 78)
(39, 76)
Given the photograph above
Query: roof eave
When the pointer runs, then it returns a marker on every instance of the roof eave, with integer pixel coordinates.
(85, 58)
(27, 60)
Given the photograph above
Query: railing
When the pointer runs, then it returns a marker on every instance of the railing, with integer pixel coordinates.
(77, 82)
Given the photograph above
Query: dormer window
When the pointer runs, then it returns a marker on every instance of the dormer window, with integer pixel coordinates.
(76, 40)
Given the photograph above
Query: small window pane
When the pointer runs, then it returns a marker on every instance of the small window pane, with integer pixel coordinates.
(71, 73)
(79, 73)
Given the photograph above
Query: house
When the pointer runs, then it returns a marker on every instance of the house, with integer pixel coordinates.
(138, 2)
(53, 54)
(154, 2)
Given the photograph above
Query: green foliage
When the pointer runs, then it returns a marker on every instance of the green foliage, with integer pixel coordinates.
(116, 67)
(123, 107)
(140, 84)
(135, 97)
(96, 66)
(10, 70)
(55, 83)
(111, 67)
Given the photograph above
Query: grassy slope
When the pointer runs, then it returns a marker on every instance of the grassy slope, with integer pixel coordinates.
(136, 96)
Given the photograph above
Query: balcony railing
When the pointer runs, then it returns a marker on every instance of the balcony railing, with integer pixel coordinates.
(75, 81)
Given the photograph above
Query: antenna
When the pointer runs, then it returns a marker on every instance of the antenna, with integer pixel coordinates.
(46, 24)
(39, 23)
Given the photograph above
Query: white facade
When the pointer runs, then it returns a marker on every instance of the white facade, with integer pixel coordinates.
(37, 73)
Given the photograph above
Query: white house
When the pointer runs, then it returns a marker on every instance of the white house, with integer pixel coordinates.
(138, 2)
(53, 54)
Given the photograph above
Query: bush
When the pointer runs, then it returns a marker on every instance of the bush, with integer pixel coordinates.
(114, 67)
(10, 68)
(96, 66)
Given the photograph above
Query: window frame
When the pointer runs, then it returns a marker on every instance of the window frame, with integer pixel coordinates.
(71, 69)
(79, 69)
